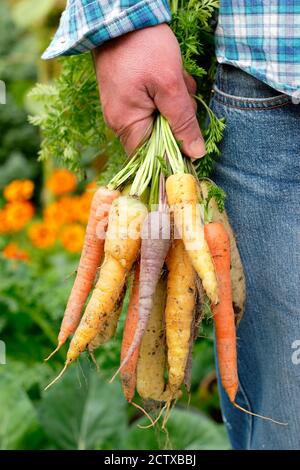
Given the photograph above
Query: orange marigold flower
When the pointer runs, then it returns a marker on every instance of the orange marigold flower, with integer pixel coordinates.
(64, 211)
(62, 181)
(13, 251)
(19, 190)
(72, 238)
(91, 186)
(3, 222)
(42, 235)
(55, 215)
(18, 214)
(84, 205)
(69, 207)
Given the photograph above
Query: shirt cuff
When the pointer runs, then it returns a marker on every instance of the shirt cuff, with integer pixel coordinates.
(85, 26)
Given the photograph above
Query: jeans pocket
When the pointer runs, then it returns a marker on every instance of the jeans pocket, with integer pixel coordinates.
(237, 89)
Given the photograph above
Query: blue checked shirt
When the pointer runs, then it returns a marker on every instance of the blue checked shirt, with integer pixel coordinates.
(262, 37)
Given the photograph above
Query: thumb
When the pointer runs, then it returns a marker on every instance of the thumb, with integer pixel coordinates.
(175, 104)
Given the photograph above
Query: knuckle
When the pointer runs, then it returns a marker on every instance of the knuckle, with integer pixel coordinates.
(191, 82)
(194, 104)
(170, 82)
(119, 124)
(110, 117)
(114, 117)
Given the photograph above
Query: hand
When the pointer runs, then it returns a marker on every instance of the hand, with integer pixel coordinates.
(140, 72)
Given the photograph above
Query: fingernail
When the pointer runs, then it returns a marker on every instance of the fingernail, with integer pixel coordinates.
(197, 148)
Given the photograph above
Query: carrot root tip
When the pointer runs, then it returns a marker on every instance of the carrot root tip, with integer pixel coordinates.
(257, 415)
(58, 377)
(151, 425)
(119, 369)
(144, 412)
(114, 376)
(94, 360)
(53, 352)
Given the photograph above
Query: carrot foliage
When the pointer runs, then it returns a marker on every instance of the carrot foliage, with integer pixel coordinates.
(68, 110)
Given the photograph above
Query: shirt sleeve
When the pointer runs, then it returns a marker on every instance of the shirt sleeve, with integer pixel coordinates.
(85, 24)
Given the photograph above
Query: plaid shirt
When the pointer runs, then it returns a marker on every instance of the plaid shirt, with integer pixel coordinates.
(86, 24)
(261, 37)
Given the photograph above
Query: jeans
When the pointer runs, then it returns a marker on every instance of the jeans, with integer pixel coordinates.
(259, 169)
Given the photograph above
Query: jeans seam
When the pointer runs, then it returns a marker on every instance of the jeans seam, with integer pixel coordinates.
(246, 399)
(249, 99)
(250, 108)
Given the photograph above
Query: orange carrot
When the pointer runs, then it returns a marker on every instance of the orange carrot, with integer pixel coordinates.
(219, 245)
(89, 262)
(128, 372)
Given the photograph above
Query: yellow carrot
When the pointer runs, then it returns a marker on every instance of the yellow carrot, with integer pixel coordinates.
(181, 299)
(122, 246)
(152, 355)
(183, 198)
(109, 326)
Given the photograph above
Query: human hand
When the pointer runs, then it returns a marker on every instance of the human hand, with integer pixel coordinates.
(139, 73)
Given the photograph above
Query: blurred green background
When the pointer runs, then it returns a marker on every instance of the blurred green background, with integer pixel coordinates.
(39, 253)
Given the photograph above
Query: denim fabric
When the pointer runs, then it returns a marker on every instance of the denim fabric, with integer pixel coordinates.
(260, 172)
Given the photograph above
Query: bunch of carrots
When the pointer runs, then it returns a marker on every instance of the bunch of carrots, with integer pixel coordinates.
(159, 227)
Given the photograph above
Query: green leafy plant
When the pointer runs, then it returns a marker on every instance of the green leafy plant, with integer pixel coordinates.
(84, 412)
(77, 413)
(71, 119)
(19, 142)
(187, 430)
(23, 421)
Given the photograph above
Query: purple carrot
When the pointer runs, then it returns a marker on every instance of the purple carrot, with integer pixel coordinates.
(154, 249)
